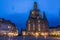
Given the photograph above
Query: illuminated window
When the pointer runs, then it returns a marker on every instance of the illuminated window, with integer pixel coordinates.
(36, 34)
(32, 12)
(33, 27)
(9, 26)
(29, 27)
(38, 27)
(24, 33)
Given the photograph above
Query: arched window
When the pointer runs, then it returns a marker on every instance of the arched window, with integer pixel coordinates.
(38, 27)
(28, 27)
(33, 26)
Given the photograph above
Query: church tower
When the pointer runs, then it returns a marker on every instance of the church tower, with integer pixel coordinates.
(45, 23)
(35, 24)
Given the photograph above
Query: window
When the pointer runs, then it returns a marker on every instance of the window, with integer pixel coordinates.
(33, 27)
(38, 27)
(29, 27)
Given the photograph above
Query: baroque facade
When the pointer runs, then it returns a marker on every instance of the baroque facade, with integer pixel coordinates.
(7, 28)
(35, 23)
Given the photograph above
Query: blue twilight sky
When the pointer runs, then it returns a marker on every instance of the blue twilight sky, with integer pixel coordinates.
(18, 11)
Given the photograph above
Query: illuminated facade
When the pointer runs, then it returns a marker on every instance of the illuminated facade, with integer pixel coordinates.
(54, 31)
(35, 23)
(7, 28)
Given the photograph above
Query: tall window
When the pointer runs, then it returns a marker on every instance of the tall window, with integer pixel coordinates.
(38, 21)
(33, 26)
(29, 27)
(38, 27)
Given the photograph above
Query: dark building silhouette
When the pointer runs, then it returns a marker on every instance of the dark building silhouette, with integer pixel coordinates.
(45, 23)
(35, 23)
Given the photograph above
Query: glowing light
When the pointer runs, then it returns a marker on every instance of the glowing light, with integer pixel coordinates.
(10, 34)
(36, 34)
(42, 34)
(33, 33)
(55, 33)
(45, 34)
(32, 12)
(9, 26)
(5, 33)
(24, 33)
(15, 34)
